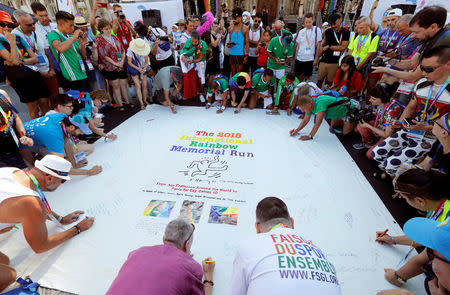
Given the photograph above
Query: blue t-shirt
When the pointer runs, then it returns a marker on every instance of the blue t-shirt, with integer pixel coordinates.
(47, 132)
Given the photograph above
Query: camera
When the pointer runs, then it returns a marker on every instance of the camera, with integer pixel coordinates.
(357, 115)
(120, 14)
(164, 38)
(378, 62)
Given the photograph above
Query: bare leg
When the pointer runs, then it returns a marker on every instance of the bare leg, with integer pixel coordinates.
(144, 90)
(43, 105)
(233, 70)
(124, 89)
(33, 109)
(115, 85)
(27, 156)
(137, 84)
(348, 127)
(252, 101)
(7, 274)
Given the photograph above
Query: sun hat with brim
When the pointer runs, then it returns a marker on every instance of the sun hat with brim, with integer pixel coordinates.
(140, 47)
(79, 121)
(55, 166)
(430, 233)
(80, 21)
(5, 17)
(180, 21)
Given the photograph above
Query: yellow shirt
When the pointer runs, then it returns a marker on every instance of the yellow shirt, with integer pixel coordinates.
(362, 45)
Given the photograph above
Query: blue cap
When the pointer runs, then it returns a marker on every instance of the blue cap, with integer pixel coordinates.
(79, 121)
(430, 233)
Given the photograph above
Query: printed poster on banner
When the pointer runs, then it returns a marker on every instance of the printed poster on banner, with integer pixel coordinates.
(65, 5)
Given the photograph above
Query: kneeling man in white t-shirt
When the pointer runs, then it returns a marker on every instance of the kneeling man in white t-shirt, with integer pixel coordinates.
(279, 260)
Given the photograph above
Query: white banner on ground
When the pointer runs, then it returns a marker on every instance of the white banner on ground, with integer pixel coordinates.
(213, 169)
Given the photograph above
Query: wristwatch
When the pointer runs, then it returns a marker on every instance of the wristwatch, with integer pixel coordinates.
(399, 279)
(208, 282)
(310, 136)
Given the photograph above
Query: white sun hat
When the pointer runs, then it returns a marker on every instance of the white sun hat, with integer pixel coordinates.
(140, 47)
(55, 166)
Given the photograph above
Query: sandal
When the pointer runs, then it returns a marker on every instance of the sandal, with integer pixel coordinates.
(122, 109)
(380, 175)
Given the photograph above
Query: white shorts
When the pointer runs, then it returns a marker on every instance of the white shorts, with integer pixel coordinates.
(217, 96)
(200, 68)
(279, 73)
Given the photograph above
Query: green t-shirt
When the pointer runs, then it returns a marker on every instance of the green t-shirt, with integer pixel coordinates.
(362, 45)
(322, 102)
(191, 50)
(69, 61)
(278, 50)
(289, 88)
(223, 84)
(258, 83)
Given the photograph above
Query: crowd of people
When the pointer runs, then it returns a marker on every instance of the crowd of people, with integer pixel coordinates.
(387, 83)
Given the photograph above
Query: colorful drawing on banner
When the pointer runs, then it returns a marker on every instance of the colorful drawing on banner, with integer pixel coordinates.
(191, 210)
(158, 208)
(225, 215)
(211, 167)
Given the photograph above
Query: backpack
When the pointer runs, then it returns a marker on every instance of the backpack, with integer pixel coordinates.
(258, 71)
(27, 287)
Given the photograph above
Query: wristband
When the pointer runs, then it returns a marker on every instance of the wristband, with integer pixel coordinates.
(222, 107)
(78, 228)
(414, 244)
(401, 280)
(60, 218)
(393, 241)
(310, 136)
(208, 282)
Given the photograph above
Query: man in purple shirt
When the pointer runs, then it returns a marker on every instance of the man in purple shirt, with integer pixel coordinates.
(390, 37)
(165, 269)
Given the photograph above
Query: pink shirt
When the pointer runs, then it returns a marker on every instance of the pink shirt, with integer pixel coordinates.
(161, 269)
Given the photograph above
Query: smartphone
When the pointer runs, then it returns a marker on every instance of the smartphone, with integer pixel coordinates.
(408, 122)
(102, 4)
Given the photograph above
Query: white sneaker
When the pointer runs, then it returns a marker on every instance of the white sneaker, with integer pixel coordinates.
(202, 98)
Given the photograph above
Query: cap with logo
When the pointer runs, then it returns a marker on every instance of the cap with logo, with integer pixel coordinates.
(395, 12)
(80, 122)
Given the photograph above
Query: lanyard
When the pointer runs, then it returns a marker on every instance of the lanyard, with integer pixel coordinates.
(438, 212)
(111, 42)
(45, 28)
(390, 39)
(123, 28)
(338, 40)
(8, 120)
(310, 35)
(438, 94)
(71, 139)
(73, 46)
(361, 43)
(436, 154)
(380, 114)
(278, 226)
(30, 40)
(43, 199)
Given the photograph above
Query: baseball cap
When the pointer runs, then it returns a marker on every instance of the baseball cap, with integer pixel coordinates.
(395, 12)
(286, 38)
(78, 120)
(5, 17)
(55, 166)
(430, 233)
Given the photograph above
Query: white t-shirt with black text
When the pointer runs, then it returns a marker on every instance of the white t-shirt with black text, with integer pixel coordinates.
(282, 262)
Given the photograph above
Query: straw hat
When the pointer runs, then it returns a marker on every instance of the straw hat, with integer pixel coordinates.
(140, 47)
(80, 21)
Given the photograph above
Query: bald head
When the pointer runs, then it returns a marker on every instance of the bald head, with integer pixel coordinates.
(25, 21)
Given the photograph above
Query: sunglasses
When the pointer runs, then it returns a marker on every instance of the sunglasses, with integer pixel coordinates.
(11, 26)
(193, 229)
(257, 21)
(429, 70)
(439, 124)
(432, 256)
